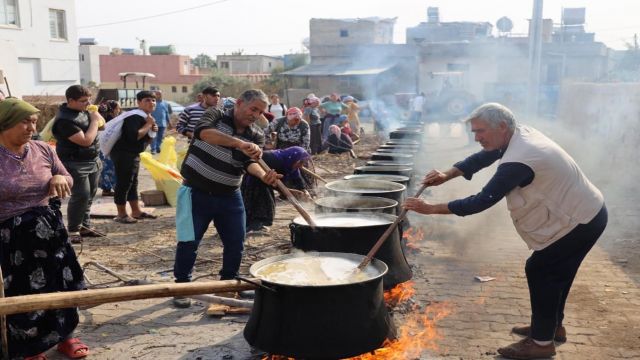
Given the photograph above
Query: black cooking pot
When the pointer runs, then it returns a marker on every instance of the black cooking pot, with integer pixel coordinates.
(391, 156)
(386, 189)
(342, 204)
(398, 150)
(403, 142)
(404, 180)
(398, 146)
(354, 233)
(389, 169)
(319, 322)
(406, 134)
(387, 162)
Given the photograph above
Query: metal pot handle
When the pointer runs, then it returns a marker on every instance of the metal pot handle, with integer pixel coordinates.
(255, 283)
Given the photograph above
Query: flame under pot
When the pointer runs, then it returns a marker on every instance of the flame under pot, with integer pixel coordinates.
(354, 233)
(319, 322)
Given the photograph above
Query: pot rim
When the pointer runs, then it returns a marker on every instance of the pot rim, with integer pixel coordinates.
(384, 177)
(393, 154)
(391, 187)
(379, 265)
(390, 218)
(384, 167)
(384, 203)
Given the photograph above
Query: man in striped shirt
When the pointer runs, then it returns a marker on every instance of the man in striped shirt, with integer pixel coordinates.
(188, 119)
(225, 145)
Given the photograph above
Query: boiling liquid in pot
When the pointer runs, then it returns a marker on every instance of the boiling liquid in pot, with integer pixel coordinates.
(337, 221)
(315, 271)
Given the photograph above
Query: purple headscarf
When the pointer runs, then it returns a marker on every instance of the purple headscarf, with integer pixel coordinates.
(290, 156)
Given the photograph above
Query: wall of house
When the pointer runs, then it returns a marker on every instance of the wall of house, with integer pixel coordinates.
(248, 64)
(34, 63)
(350, 32)
(90, 63)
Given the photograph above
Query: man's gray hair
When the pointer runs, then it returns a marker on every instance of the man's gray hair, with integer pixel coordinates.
(254, 94)
(494, 114)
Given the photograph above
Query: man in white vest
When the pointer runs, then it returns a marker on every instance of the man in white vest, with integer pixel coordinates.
(554, 208)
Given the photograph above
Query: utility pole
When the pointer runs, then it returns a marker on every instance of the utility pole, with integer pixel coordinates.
(535, 52)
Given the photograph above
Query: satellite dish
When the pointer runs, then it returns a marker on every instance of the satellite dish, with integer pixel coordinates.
(504, 24)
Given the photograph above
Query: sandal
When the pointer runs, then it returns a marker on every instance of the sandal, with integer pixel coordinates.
(125, 220)
(145, 215)
(73, 348)
(88, 232)
(75, 238)
(41, 356)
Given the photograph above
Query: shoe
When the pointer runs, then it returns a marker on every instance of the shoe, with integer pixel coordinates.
(89, 232)
(181, 302)
(108, 193)
(144, 215)
(125, 220)
(561, 332)
(75, 238)
(527, 349)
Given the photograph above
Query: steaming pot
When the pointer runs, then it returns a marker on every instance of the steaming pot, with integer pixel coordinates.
(319, 322)
(404, 180)
(356, 204)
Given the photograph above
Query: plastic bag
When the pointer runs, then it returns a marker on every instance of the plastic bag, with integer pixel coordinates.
(113, 130)
(168, 155)
(167, 179)
(181, 155)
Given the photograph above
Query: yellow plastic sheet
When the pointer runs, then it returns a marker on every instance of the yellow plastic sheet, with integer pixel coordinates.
(167, 179)
(168, 154)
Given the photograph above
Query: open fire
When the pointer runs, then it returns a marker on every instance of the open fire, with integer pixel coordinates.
(399, 294)
(413, 235)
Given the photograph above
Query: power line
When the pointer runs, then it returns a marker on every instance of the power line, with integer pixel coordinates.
(154, 16)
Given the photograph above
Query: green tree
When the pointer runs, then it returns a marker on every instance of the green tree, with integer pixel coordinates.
(204, 61)
(228, 85)
(275, 84)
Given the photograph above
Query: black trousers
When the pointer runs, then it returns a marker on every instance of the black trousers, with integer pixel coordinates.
(550, 273)
(127, 166)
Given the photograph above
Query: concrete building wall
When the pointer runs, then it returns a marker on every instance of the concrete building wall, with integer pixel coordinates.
(90, 63)
(35, 63)
(350, 32)
(248, 64)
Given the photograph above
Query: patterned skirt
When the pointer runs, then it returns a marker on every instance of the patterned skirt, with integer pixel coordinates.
(37, 258)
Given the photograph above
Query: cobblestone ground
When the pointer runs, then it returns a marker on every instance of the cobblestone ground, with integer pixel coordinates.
(602, 314)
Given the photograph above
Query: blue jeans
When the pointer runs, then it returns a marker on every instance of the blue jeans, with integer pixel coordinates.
(228, 216)
(157, 141)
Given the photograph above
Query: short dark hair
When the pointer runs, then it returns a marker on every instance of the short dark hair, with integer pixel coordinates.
(145, 94)
(75, 92)
(210, 90)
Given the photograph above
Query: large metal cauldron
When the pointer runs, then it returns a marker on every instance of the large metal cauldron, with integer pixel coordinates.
(403, 142)
(319, 322)
(354, 233)
(406, 134)
(404, 180)
(391, 157)
(387, 162)
(397, 150)
(341, 204)
(389, 169)
(386, 189)
(398, 146)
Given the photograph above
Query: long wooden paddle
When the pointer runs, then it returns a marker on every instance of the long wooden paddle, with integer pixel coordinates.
(383, 237)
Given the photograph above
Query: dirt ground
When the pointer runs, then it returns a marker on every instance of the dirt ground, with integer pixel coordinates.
(602, 314)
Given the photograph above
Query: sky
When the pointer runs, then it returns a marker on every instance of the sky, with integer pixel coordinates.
(277, 27)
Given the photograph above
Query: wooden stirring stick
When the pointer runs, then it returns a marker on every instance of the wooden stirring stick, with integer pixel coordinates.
(292, 199)
(304, 169)
(383, 238)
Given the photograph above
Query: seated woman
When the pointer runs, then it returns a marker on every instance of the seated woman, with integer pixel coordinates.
(35, 251)
(288, 131)
(339, 142)
(259, 199)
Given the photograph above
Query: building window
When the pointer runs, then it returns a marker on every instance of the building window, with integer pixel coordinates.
(184, 89)
(81, 57)
(224, 64)
(57, 24)
(174, 89)
(344, 33)
(9, 12)
(269, 63)
(154, 88)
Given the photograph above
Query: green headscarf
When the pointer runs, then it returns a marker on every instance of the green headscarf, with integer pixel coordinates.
(12, 111)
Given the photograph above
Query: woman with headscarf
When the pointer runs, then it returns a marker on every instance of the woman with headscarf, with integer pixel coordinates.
(109, 110)
(339, 142)
(289, 131)
(311, 115)
(35, 251)
(352, 115)
(259, 199)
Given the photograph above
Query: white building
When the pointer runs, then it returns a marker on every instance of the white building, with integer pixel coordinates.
(38, 46)
(90, 62)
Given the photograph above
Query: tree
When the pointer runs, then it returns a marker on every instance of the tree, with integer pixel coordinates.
(204, 61)
(275, 84)
(228, 85)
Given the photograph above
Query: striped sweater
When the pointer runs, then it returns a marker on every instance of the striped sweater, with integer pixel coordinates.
(189, 118)
(216, 169)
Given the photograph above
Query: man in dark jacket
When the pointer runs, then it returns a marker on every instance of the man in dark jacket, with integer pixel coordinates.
(76, 130)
